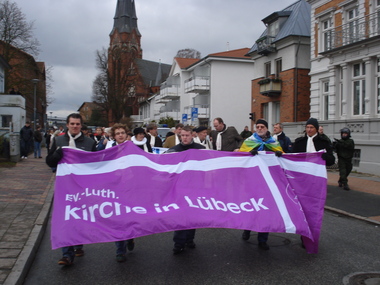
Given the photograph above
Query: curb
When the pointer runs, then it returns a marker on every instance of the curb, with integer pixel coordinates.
(331, 209)
(28, 253)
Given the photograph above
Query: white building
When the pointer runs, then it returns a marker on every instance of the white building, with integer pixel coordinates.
(218, 85)
(345, 74)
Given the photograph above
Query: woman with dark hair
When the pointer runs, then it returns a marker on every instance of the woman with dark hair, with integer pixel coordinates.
(140, 140)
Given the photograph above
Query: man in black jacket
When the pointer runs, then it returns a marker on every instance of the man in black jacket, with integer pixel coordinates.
(313, 141)
(184, 238)
(26, 138)
(72, 138)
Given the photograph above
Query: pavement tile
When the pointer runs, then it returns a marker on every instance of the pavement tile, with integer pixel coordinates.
(7, 263)
(9, 253)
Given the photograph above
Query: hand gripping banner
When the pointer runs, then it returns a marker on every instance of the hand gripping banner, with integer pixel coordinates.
(123, 192)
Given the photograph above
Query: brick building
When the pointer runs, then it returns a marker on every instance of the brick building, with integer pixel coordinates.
(131, 78)
(281, 84)
(20, 77)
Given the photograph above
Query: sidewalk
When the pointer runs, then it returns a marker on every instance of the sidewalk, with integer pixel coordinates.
(26, 194)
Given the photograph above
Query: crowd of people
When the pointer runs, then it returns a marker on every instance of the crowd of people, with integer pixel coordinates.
(182, 138)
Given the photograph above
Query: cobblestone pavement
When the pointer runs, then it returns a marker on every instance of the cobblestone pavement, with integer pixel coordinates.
(24, 206)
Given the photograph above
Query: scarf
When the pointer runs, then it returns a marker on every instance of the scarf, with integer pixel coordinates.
(218, 142)
(152, 140)
(72, 139)
(310, 144)
(143, 143)
(205, 143)
(275, 136)
(257, 142)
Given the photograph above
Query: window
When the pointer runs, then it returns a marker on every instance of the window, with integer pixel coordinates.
(353, 25)
(279, 66)
(1, 81)
(358, 88)
(266, 111)
(325, 100)
(273, 29)
(327, 35)
(6, 121)
(267, 69)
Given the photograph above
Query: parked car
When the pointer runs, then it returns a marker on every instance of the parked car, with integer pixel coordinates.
(162, 133)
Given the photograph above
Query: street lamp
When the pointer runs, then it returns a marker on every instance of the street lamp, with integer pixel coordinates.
(35, 81)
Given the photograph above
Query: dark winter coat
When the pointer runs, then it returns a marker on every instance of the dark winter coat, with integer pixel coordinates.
(26, 133)
(83, 143)
(181, 147)
(319, 143)
(231, 139)
(345, 148)
(285, 143)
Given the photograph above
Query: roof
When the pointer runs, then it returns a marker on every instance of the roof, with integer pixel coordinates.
(153, 73)
(298, 22)
(125, 19)
(237, 53)
(185, 62)
(92, 105)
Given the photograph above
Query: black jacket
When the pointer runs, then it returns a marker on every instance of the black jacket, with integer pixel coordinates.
(319, 144)
(84, 143)
(181, 147)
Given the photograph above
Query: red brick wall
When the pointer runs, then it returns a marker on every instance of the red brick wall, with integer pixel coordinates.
(287, 97)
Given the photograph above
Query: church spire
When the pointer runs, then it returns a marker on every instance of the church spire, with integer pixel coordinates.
(125, 20)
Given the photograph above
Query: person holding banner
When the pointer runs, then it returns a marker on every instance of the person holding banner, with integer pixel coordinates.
(313, 141)
(120, 132)
(73, 138)
(184, 238)
(261, 140)
(140, 140)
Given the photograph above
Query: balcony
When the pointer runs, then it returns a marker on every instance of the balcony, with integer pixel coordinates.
(161, 99)
(265, 45)
(203, 111)
(169, 92)
(270, 87)
(355, 31)
(197, 84)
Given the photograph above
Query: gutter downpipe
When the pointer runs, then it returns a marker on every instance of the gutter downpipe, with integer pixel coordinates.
(296, 80)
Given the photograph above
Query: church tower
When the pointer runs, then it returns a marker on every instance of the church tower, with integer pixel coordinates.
(125, 33)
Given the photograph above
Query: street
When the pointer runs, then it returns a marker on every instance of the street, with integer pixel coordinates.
(347, 245)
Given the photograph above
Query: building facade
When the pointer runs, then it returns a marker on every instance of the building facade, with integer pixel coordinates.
(281, 82)
(345, 74)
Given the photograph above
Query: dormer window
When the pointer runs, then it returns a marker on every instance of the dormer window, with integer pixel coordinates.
(273, 29)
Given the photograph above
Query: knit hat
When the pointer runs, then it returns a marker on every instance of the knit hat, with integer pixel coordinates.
(263, 122)
(138, 131)
(314, 122)
(201, 128)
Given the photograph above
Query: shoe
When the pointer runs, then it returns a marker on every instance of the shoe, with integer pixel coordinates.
(340, 184)
(178, 249)
(191, 244)
(25, 157)
(246, 235)
(263, 245)
(345, 187)
(79, 252)
(130, 244)
(65, 261)
(121, 258)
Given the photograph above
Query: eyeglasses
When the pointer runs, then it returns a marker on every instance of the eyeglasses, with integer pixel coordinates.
(121, 133)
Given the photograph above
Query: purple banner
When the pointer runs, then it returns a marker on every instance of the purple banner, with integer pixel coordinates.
(123, 193)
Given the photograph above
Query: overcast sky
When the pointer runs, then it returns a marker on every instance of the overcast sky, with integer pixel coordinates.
(71, 31)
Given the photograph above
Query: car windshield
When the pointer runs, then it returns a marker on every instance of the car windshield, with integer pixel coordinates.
(162, 132)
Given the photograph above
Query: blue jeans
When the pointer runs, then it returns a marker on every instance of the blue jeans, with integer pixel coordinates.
(121, 246)
(69, 251)
(37, 149)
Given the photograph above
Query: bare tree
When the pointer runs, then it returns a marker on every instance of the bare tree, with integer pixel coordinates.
(114, 88)
(188, 53)
(16, 31)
